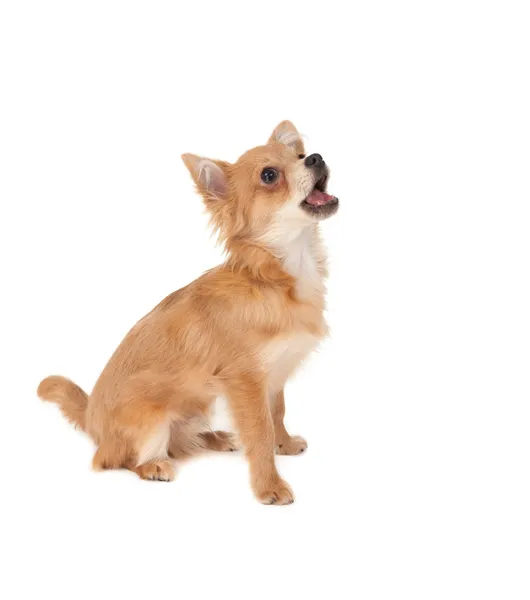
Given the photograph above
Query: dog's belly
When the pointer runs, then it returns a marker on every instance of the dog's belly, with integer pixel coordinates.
(282, 356)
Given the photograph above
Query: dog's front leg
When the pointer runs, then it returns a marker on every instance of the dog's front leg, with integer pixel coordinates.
(248, 400)
(285, 443)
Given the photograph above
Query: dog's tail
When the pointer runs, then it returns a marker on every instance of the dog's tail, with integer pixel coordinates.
(69, 396)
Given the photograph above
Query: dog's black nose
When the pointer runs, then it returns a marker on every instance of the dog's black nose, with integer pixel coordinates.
(314, 161)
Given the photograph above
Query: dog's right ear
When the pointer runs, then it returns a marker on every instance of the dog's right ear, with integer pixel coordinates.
(210, 176)
(287, 134)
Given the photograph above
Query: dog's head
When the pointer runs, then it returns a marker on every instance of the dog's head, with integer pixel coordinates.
(269, 186)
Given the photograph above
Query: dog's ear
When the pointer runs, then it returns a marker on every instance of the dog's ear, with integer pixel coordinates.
(210, 176)
(286, 133)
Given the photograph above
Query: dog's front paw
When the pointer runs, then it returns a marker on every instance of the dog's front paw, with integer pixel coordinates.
(292, 445)
(276, 492)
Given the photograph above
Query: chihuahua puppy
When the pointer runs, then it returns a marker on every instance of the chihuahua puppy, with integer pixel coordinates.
(239, 331)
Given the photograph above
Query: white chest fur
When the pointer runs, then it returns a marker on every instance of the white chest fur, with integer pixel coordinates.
(283, 355)
(296, 242)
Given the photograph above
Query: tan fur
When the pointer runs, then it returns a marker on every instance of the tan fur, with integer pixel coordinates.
(240, 330)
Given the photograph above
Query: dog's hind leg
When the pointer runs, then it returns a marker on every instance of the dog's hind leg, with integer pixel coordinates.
(189, 438)
(219, 441)
(153, 462)
(113, 453)
(147, 408)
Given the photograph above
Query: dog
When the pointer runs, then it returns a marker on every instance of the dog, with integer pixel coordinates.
(240, 330)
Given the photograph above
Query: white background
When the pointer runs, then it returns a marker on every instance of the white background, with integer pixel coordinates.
(416, 481)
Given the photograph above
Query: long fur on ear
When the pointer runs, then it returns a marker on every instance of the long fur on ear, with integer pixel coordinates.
(286, 133)
(209, 175)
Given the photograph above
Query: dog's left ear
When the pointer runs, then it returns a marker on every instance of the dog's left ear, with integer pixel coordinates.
(286, 133)
(209, 176)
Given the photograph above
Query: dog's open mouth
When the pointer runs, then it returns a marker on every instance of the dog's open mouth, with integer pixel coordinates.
(319, 203)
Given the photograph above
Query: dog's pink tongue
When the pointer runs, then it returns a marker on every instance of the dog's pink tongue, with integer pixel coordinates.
(318, 198)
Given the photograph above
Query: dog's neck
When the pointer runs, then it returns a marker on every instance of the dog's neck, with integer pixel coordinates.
(298, 248)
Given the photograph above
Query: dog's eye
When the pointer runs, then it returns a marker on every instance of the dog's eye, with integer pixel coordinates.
(300, 156)
(269, 175)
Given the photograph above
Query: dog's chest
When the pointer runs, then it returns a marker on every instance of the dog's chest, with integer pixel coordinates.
(282, 355)
(303, 259)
